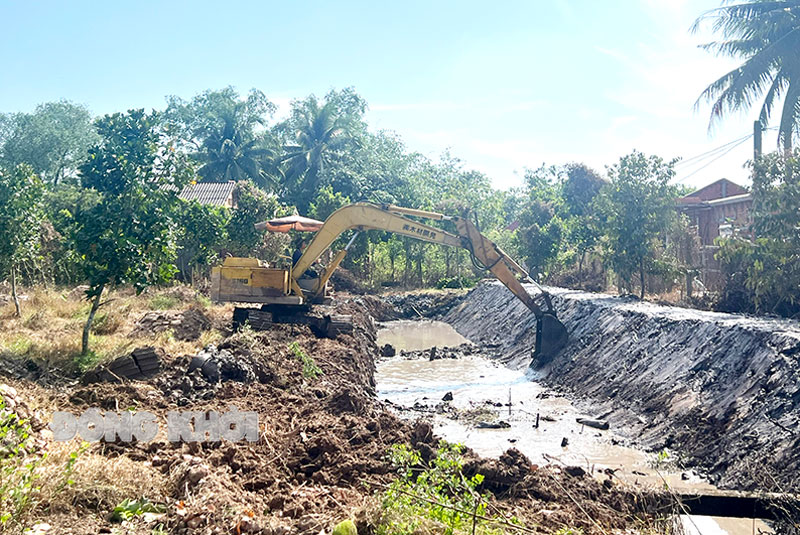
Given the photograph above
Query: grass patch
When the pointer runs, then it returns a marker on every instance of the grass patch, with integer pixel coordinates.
(164, 302)
(310, 368)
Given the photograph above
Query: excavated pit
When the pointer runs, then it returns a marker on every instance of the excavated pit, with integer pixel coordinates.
(723, 390)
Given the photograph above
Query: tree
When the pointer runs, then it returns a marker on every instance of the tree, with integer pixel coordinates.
(765, 35)
(253, 206)
(764, 272)
(20, 197)
(203, 230)
(316, 131)
(53, 139)
(637, 207)
(579, 191)
(128, 236)
(226, 134)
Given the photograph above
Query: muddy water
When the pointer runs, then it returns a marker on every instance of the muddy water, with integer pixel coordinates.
(487, 394)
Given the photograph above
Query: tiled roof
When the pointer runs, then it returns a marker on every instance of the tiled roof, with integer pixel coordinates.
(216, 193)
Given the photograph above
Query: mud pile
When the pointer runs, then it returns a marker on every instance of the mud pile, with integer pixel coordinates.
(721, 389)
(186, 325)
(322, 452)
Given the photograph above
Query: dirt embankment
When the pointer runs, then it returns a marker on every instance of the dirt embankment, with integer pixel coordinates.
(723, 390)
(324, 440)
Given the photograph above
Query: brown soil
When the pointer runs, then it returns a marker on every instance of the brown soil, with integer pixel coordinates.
(321, 457)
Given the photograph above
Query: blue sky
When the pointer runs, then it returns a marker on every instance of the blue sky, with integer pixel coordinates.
(503, 85)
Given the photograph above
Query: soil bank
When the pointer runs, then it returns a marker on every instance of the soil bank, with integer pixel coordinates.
(721, 389)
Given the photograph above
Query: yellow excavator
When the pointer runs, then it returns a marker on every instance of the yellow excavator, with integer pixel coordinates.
(288, 295)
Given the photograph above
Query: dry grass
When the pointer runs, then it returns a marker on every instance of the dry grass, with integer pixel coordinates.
(49, 331)
(95, 482)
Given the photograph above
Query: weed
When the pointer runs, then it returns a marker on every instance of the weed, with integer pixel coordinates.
(86, 361)
(436, 498)
(18, 464)
(203, 301)
(107, 323)
(310, 368)
(130, 508)
(569, 531)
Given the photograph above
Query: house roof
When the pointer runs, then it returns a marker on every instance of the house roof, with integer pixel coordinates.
(215, 193)
(718, 189)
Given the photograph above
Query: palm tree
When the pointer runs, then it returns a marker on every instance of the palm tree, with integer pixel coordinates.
(226, 155)
(765, 34)
(318, 131)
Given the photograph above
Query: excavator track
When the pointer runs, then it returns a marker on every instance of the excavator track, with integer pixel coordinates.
(322, 325)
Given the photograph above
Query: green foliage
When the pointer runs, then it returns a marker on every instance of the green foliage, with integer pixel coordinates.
(345, 527)
(202, 232)
(316, 134)
(131, 508)
(761, 34)
(326, 202)
(53, 139)
(18, 464)
(226, 135)
(433, 495)
(128, 236)
(164, 302)
(310, 368)
(763, 275)
(637, 209)
(254, 206)
(20, 196)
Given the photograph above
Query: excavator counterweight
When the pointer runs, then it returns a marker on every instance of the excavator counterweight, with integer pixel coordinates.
(287, 295)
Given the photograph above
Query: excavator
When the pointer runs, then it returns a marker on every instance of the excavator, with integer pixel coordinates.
(289, 295)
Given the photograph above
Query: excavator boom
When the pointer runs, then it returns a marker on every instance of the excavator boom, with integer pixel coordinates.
(551, 335)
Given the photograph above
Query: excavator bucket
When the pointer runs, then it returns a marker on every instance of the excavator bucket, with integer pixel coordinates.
(551, 337)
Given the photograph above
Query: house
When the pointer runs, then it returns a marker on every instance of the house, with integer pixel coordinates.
(722, 208)
(213, 193)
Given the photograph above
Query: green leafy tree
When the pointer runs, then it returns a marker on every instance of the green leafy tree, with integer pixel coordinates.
(317, 133)
(579, 190)
(202, 232)
(20, 197)
(765, 36)
(53, 139)
(226, 134)
(637, 208)
(253, 206)
(764, 273)
(128, 236)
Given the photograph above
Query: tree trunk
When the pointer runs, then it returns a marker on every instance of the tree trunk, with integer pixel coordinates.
(580, 269)
(17, 311)
(641, 277)
(88, 327)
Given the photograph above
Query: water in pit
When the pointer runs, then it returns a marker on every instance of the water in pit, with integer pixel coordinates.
(485, 393)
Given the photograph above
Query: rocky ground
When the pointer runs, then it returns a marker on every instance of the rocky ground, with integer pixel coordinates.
(321, 456)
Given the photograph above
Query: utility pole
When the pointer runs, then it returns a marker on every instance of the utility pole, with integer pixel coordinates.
(757, 140)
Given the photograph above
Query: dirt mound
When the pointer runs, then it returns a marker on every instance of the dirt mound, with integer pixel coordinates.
(432, 304)
(343, 280)
(323, 440)
(186, 325)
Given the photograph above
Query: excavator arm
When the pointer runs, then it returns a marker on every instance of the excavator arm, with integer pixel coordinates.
(551, 335)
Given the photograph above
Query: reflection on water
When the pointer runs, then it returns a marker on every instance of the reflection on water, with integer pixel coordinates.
(480, 386)
(406, 335)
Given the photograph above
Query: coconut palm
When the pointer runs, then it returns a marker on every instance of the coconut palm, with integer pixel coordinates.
(226, 155)
(319, 130)
(765, 34)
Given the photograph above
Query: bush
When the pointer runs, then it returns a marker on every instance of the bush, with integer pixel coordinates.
(436, 498)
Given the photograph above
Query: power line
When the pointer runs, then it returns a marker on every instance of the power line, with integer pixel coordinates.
(711, 152)
(713, 160)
